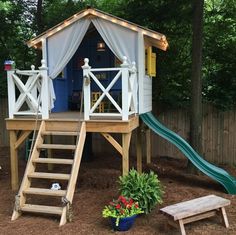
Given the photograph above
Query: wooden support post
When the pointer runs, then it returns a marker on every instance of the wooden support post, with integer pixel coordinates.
(139, 149)
(125, 89)
(11, 93)
(125, 152)
(14, 161)
(45, 90)
(87, 89)
(148, 146)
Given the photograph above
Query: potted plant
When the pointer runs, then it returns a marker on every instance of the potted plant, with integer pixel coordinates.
(144, 188)
(122, 213)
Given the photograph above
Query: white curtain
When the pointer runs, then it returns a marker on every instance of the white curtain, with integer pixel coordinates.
(63, 45)
(122, 41)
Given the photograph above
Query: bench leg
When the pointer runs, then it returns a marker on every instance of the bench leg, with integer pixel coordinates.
(224, 216)
(182, 229)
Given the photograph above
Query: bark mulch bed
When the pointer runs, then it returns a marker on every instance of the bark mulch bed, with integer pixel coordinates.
(97, 185)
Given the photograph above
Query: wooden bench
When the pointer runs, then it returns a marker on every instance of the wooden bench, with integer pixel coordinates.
(196, 209)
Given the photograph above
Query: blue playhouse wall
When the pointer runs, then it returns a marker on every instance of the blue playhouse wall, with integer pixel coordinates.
(70, 81)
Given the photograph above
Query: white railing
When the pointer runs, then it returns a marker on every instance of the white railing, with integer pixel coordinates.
(128, 76)
(31, 97)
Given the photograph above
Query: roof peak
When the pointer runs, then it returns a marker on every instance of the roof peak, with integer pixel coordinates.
(89, 11)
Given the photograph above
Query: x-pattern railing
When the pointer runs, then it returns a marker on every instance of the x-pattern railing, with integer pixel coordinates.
(29, 92)
(128, 76)
(34, 92)
(105, 91)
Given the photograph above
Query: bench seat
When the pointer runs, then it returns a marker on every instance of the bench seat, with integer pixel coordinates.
(196, 209)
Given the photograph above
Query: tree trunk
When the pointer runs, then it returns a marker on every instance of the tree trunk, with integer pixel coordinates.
(196, 82)
(39, 27)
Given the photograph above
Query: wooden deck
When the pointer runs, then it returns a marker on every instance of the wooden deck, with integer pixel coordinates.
(69, 121)
(21, 127)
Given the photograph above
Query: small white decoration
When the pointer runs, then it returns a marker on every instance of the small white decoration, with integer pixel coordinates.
(55, 186)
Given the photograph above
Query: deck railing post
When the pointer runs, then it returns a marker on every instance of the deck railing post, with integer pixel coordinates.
(44, 90)
(34, 89)
(86, 85)
(125, 89)
(11, 93)
(135, 86)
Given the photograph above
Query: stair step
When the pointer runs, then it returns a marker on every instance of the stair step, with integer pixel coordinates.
(62, 133)
(42, 209)
(56, 146)
(45, 175)
(54, 161)
(44, 191)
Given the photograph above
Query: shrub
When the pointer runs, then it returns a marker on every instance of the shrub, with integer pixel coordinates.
(144, 188)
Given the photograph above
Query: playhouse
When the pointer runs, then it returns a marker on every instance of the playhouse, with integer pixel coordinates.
(105, 40)
(95, 77)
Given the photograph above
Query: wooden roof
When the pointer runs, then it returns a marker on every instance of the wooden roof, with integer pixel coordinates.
(157, 39)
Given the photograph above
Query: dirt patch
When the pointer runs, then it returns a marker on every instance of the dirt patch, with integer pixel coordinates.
(97, 185)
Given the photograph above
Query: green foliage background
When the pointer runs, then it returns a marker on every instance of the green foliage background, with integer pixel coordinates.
(171, 17)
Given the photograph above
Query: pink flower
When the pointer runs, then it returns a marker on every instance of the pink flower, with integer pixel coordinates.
(123, 200)
(118, 206)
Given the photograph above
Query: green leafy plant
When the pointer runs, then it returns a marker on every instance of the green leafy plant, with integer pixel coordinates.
(121, 208)
(144, 188)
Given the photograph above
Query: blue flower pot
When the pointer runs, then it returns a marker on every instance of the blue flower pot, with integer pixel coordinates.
(124, 223)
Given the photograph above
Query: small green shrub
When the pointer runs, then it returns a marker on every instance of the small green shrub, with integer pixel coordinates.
(143, 188)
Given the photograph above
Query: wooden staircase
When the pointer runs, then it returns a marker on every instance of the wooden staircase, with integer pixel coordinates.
(66, 195)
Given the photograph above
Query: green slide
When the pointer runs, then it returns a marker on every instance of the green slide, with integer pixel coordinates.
(216, 173)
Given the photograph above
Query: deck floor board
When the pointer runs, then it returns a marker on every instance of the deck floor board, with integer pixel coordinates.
(68, 121)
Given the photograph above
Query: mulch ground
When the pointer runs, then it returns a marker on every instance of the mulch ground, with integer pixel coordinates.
(97, 185)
